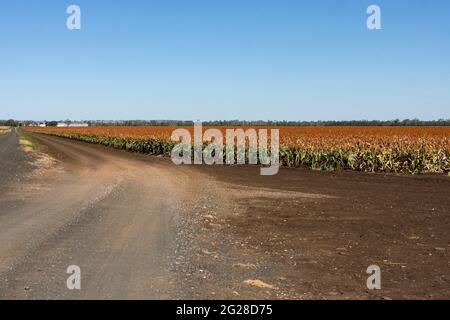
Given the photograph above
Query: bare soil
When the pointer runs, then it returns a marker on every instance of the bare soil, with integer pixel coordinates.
(140, 227)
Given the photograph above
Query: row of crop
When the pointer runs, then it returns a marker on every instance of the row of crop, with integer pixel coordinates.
(412, 161)
(408, 160)
(148, 146)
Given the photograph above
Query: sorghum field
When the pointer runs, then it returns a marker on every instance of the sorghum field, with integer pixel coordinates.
(412, 150)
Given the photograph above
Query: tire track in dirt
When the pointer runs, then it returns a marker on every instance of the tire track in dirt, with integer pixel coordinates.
(124, 219)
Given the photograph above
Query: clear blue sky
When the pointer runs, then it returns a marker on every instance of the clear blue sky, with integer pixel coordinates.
(225, 59)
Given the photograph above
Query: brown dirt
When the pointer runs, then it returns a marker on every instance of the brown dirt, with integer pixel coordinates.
(141, 227)
(321, 230)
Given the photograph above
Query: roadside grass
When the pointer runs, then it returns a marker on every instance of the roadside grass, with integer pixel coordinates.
(25, 142)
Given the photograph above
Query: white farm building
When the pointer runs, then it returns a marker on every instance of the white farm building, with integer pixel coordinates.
(75, 124)
(78, 125)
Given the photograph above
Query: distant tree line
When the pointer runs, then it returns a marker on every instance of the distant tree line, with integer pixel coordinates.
(136, 123)
(9, 123)
(330, 123)
(396, 122)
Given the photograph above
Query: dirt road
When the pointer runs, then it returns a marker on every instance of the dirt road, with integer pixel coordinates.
(140, 227)
(13, 163)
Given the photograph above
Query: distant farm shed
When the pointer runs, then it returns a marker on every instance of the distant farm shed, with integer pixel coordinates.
(78, 125)
(75, 124)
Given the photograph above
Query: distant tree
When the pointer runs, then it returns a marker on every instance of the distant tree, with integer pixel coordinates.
(395, 122)
(10, 123)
